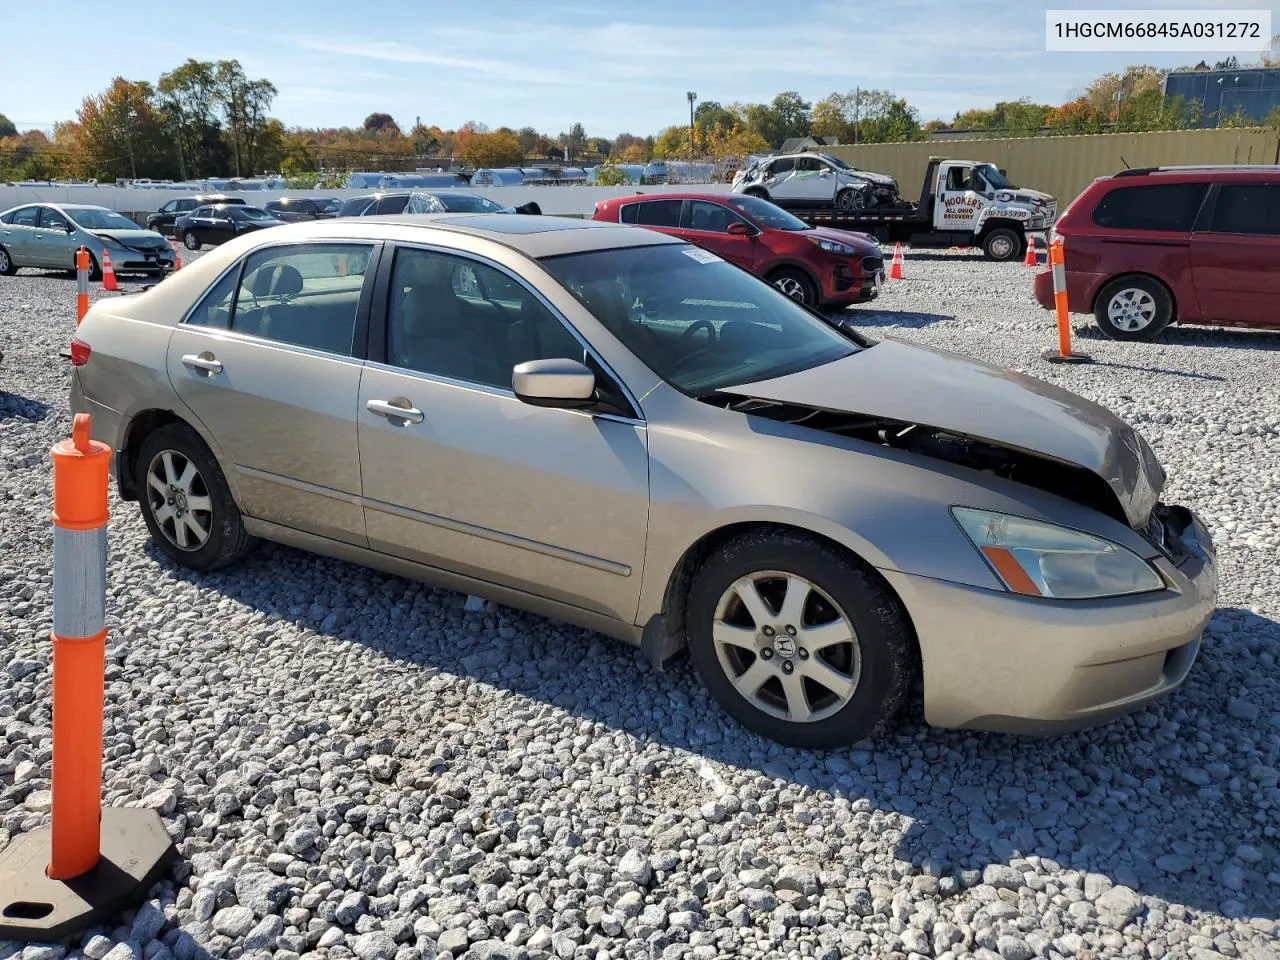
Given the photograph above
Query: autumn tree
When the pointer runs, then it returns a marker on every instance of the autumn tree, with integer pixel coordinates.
(488, 149)
(119, 133)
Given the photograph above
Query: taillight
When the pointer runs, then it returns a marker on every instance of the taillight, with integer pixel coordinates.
(79, 352)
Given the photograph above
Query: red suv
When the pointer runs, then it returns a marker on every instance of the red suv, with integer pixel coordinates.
(815, 265)
(1152, 246)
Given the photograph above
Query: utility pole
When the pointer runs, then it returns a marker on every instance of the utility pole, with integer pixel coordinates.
(692, 140)
(857, 117)
(128, 139)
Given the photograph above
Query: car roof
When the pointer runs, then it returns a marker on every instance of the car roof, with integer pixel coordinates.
(534, 236)
(1236, 171)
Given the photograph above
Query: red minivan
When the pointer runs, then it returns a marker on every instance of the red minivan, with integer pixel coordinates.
(815, 265)
(1153, 246)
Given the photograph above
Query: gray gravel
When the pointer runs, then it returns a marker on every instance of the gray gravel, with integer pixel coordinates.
(356, 765)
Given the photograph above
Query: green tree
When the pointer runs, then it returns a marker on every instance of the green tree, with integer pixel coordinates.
(7, 129)
(382, 123)
(119, 134)
(710, 114)
(244, 103)
(792, 111)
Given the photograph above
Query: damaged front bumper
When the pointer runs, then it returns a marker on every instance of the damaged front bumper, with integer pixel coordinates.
(999, 661)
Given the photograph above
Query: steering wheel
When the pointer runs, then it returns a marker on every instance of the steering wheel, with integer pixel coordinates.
(687, 337)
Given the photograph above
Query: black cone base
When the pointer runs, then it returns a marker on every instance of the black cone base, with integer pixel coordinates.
(1053, 356)
(136, 850)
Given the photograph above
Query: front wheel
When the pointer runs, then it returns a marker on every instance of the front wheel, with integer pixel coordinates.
(1003, 244)
(186, 502)
(1133, 308)
(798, 641)
(796, 285)
(851, 200)
(190, 241)
(757, 192)
(7, 267)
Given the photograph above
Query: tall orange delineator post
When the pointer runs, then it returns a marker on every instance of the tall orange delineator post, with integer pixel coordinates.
(93, 861)
(82, 284)
(1058, 264)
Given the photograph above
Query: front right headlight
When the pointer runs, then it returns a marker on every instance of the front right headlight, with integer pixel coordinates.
(1040, 559)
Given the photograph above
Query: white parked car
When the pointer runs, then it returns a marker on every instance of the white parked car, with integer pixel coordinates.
(816, 180)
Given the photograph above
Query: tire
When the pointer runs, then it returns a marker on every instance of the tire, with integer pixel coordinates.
(1134, 308)
(1003, 244)
(796, 285)
(191, 241)
(757, 192)
(225, 541)
(7, 267)
(95, 271)
(850, 199)
(876, 667)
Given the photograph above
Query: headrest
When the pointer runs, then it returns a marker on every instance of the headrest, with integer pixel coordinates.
(276, 280)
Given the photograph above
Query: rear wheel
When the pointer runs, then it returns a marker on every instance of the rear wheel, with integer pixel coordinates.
(7, 267)
(186, 502)
(1003, 244)
(795, 284)
(757, 192)
(1133, 308)
(798, 641)
(190, 241)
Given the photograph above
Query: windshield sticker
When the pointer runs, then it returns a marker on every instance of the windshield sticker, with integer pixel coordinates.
(702, 256)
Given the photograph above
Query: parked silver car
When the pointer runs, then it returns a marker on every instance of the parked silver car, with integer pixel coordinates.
(47, 235)
(619, 429)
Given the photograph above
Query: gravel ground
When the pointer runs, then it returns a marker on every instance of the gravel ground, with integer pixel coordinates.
(357, 765)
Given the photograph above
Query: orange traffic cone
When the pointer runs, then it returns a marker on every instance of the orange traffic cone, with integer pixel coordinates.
(1032, 259)
(895, 268)
(177, 255)
(108, 273)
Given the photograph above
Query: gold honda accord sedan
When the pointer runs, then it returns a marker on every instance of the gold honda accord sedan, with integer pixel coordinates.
(610, 426)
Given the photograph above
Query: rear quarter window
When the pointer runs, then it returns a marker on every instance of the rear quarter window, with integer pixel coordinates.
(1169, 207)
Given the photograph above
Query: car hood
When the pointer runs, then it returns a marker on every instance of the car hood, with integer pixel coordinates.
(883, 179)
(138, 239)
(982, 402)
(864, 244)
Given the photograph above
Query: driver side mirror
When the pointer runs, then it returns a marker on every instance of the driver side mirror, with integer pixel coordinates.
(560, 383)
(739, 229)
(69, 227)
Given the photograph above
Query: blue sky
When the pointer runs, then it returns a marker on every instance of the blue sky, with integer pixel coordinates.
(614, 67)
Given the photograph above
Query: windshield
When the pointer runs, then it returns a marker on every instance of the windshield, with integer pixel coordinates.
(424, 203)
(249, 213)
(836, 161)
(994, 177)
(765, 214)
(101, 220)
(698, 322)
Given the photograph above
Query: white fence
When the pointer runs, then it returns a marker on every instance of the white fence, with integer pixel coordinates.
(555, 200)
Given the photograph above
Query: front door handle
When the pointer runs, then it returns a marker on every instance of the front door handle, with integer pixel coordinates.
(393, 410)
(204, 362)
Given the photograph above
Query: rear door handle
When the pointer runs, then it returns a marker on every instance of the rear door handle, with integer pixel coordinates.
(394, 411)
(205, 363)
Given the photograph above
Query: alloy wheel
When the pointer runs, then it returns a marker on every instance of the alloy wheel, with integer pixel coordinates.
(4, 260)
(1131, 309)
(179, 500)
(791, 287)
(786, 646)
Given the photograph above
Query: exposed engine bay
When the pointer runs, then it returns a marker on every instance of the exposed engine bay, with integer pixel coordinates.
(1043, 473)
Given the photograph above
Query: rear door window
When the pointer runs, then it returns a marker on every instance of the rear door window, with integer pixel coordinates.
(1168, 207)
(1249, 208)
(26, 217)
(304, 294)
(657, 213)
